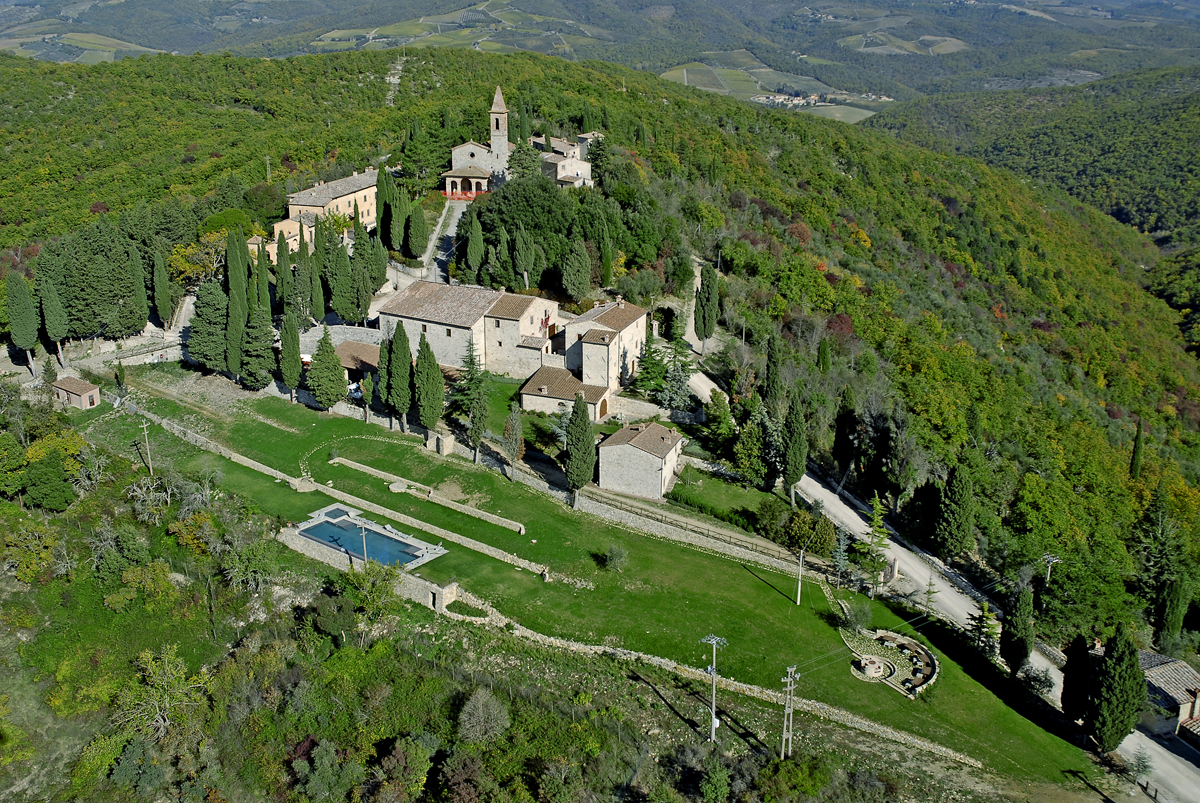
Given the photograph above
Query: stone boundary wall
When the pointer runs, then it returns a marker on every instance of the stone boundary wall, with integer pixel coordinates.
(814, 707)
(639, 408)
(429, 494)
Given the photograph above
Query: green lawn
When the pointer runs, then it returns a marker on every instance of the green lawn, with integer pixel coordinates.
(663, 602)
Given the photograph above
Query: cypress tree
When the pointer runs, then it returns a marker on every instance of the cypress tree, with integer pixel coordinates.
(290, 366)
(1170, 608)
(748, 455)
(236, 278)
(477, 423)
(207, 342)
(301, 282)
(416, 233)
(431, 393)
(513, 440)
(1135, 462)
(316, 272)
(131, 310)
(1016, 640)
(379, 264)
(383, 370)
(581, 447)
(824, 361)
(264, 278)
(706, 304)
(399, 222)
(606, 260)
(954, 533)
(385, 202)
(400, 379)
(162, 290)
(1077, 679)
(22, 316)
(283, 275)
(258, 349)
(326, 377)
(795, 452)
(342, 297)
(475, 247)
(524, 258)
(54, 317)
(577, 272)
(772, 391)
(1120, 692)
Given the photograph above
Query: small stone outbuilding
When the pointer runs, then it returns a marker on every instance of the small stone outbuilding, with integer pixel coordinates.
(359, 359)
(552, 390)
(70, 390)
(640, 459)
(1174, 690)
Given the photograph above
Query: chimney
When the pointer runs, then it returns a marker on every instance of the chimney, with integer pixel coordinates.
(356, 172)
(654, 329)
(542, 390)
(503, 289)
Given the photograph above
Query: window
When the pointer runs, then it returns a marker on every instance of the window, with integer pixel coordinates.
(499, 344)
(497, 323)
(424, 328)
(448, 333)
(531, 319)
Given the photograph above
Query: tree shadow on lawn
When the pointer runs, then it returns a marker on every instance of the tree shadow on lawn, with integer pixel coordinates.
(955, 647)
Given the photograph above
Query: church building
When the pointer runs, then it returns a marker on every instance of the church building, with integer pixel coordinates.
(474, 168)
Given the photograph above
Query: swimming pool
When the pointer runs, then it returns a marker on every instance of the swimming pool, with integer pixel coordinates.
(347, 532)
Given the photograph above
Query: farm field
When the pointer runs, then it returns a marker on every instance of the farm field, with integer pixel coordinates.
(659, 604)
(846, 114)
(92, 41)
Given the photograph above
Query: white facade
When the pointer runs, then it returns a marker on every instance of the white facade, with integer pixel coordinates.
(624, 324)
(640, 460)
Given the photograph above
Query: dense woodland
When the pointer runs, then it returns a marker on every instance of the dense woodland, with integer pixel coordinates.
(975, 352)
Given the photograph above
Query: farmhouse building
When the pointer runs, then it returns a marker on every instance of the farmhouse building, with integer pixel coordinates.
(604, 343)
(564, 161)
(511, 332)
(640, 459)
(75, 392)
(552, 390)
(325, 197)
(1173, 686)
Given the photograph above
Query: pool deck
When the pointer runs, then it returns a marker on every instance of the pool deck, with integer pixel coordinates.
(342, 512)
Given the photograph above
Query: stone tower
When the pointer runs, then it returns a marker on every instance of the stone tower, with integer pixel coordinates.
(499, 129)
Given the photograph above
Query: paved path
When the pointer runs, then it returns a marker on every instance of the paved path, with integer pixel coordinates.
(1176, 772)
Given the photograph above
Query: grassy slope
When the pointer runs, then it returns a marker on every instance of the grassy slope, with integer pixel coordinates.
(664, 601)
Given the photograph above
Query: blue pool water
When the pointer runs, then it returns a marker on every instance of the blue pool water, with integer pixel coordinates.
(348, 536)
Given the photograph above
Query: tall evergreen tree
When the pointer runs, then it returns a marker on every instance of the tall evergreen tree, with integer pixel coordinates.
(512, 441)
(707, 310)
(326, 377)
(383, 370)
(236, 267)
(470, 380)
(1078, 676)
(54, 317)
(207, 342)
(772, 390)
(606, 261)
(22, 316)
(400, 376)
(877, 539)
(955, 531)
(342, 297)
(477, 422)
(130, 312)
(577, 272)
(379, 265)
(748, 455)
(475, 247)
(1169, 609)
(1016, 640)
(416, 233)
(524, 259)
(284, 288)
(302, 281)
(385, 202)
(162, 289)
(795, 442)
(264, 278)
(361, 287)
(258, 349)
(290, 366)
(431, 390)
(316, 273)
(824, 361)
(399, 223)
(1120, 692)
(367, 388)
(983, 630)
(1135, 462)
(581, 448)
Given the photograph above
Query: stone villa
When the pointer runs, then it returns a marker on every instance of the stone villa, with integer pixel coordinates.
(325, 197)
(640, 459)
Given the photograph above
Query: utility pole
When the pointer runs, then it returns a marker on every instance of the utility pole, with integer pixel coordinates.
(146, 435)
(268, 169)
(799, 577)
(714, 723)
(789, 691)
(1050, 559)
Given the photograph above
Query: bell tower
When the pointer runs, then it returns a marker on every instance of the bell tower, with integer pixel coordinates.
(499, 130)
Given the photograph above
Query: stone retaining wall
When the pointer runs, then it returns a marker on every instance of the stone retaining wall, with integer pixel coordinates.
(428, 493)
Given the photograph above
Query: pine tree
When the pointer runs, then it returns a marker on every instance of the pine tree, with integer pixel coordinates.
(1016, 640)
(208, 342)
(706, 304)
(477, 422)
(877, 539)
(577, 272)
(290, 366)
(581, 448)
(1120, 692)
(400, 376)
(416, 233)
(513, 440)
(162, 290)
(470, 380)
(1135, 463)
(236, 277)
(326, 377)
(54, 317)
(475, 247)
(431, 392)
(22, 316)
(983, 630)
(284, 289)
(795, 453)
(841, 556)
(824, 360)
(258, 350)
(955, 531)
(1077, 680)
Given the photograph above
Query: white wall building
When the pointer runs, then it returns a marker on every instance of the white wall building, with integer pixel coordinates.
(640, 459)
(605, 343)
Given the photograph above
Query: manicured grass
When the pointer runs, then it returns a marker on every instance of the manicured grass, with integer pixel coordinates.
(664, 601)
(846, 114)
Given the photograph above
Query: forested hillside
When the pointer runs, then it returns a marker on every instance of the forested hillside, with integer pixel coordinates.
(933, 315)
(1126, 145)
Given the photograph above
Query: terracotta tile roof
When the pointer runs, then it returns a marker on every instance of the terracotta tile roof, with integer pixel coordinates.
(72, 384)
(602, 337)
(470, 171)
(652, 438)
(451, 305)
(559, 383)
(1170, 679)
(322, 194)
(357, 356)
(530, 342)
(616, 315)
(511, 306)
